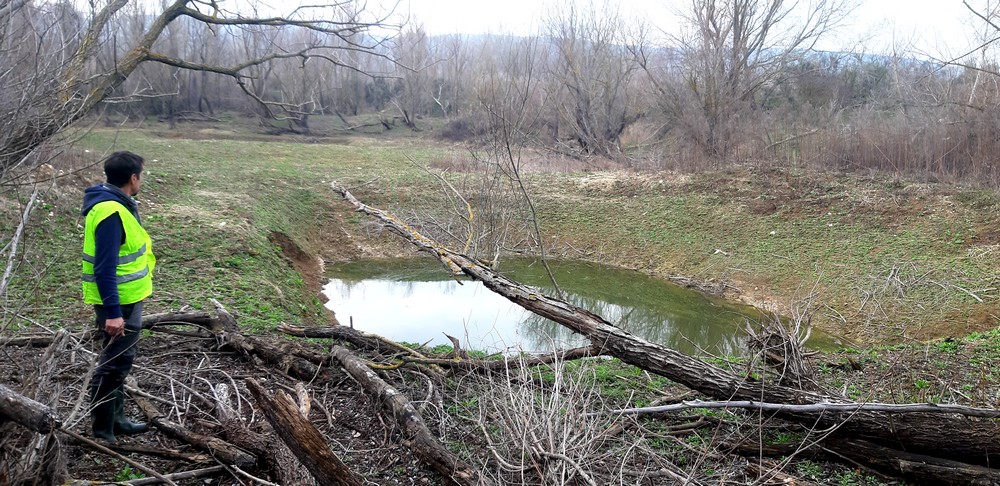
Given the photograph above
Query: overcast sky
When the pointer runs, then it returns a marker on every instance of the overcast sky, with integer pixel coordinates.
(933, 26)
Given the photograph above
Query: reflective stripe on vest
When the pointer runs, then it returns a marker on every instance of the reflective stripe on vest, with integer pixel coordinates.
(119, 279)
(122, 259)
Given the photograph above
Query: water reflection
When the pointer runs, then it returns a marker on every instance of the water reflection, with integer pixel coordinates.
(413, 300)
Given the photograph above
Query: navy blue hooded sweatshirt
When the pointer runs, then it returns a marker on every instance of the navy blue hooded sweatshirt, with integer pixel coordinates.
(109, 237)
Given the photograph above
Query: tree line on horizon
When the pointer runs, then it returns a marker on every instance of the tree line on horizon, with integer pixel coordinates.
(742, 83)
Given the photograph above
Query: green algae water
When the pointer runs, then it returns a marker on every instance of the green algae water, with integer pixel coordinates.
(415, 300)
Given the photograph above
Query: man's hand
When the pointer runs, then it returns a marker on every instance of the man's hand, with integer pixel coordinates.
(115, 327)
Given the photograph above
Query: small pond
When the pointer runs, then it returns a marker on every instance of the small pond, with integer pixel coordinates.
(415, 300)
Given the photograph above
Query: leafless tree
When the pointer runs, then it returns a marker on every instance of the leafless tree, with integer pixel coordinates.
(52, 77)
(593, 68)
(412, 92)
(512, 100)
(729, 51)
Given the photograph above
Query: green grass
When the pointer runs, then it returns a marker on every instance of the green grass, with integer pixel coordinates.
(623, 384)
(211, 206)
(863, 247)
(883, 260)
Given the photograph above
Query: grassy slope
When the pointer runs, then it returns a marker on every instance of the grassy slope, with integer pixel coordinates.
(861, 242)
(211, 206)
(887, 260)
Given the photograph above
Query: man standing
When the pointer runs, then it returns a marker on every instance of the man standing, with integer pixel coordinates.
(118, 266)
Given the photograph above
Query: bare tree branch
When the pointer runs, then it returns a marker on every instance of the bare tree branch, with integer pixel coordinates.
(893, 408)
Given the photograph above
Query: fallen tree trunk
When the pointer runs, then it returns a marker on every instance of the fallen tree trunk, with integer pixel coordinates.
(274, 456)
(302, 437)
(892, 408)
(918, 468)
(26, 412)
(964, 439)
(373, 342)
(424, 444)
(228, 331)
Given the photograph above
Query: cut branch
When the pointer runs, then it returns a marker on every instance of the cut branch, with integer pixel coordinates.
(227, 453)
(501, 364)
(105, 450)
(27, 412)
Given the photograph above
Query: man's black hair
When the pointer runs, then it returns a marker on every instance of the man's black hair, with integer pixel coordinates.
(120, 166)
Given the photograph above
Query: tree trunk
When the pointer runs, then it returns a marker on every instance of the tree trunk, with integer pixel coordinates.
(425, 445)
(918, 468)
(302, 437)
(961, 438)
(26, 412)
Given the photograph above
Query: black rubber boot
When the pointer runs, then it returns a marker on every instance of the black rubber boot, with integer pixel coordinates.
(103, 417)
(123, 425)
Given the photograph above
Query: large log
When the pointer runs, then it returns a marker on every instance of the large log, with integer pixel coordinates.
(26, 412)
(962, 439)
(918, 468)
(425, 445)
(302, 437)
(274, 456)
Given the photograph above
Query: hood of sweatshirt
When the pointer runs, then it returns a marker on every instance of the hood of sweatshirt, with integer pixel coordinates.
(107, 192)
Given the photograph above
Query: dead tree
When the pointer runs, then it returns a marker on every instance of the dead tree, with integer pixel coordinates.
(961, 439)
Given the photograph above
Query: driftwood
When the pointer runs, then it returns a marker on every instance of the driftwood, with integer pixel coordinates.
(962, 439)
(424, 444)
(302, 437)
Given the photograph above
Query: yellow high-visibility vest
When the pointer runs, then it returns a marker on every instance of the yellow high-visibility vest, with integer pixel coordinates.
(135, 259)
